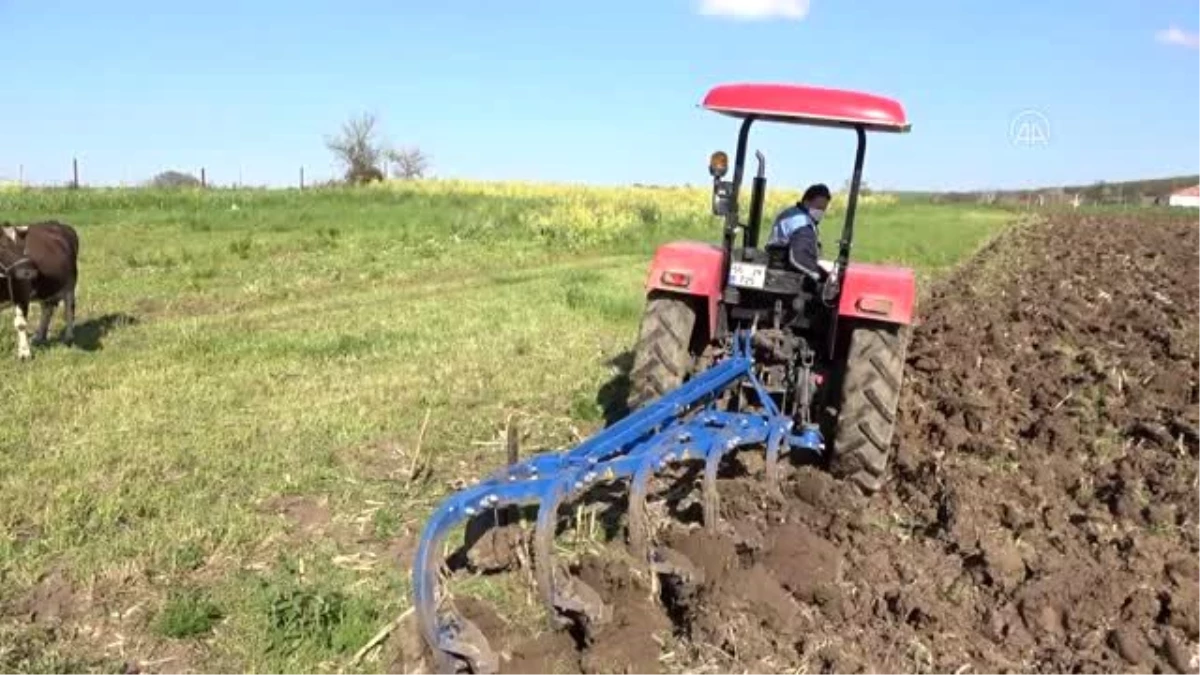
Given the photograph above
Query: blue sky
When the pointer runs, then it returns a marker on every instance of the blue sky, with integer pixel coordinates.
(598, 92)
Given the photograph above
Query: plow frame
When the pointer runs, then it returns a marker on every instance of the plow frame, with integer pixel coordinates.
(683, 425)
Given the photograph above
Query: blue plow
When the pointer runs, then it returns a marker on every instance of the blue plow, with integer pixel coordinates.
(683, 425)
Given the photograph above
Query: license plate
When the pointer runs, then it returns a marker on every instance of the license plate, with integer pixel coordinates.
(747, 275)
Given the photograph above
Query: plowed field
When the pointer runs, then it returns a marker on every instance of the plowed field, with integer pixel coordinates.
(1042, 512)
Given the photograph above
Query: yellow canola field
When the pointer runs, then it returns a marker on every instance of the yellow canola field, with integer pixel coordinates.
(557, 214)
(593, 211)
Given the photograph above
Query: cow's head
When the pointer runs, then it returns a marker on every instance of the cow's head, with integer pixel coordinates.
(14, 261)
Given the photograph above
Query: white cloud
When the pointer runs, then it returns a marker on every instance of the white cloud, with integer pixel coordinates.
(755, 10)
(1178, 36)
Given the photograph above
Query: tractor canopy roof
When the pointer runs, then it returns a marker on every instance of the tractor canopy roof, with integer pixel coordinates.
(801, 104)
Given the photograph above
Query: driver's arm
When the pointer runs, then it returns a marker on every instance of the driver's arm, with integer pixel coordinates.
(803, 252)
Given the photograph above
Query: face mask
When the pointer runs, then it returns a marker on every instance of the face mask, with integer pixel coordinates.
(816, 214)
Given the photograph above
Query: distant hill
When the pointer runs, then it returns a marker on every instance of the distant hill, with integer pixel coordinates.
(1145, 191)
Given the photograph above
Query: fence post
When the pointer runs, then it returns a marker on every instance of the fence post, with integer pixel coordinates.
(302, 178)
(75, 173)
(203, 178)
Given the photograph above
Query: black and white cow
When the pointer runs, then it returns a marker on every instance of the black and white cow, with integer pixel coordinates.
(38, 262)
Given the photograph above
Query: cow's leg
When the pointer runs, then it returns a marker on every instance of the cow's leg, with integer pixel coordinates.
(44, 324)
(69, 307)
(19, 324)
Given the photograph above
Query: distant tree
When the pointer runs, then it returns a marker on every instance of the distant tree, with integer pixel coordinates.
(365, 155)
(409, 163)
(863, 188)
(174, 179)
(359, 149)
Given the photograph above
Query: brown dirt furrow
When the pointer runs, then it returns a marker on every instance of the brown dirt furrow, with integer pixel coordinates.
(1042, 514)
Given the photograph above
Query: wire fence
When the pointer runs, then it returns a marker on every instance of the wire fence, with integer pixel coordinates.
(75, 178)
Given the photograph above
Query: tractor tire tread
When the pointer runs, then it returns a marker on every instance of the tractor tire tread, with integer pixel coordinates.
(870, 396)
(661, 358)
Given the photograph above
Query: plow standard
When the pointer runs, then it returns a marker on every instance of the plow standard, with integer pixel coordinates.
(738, 347)
(634, 449)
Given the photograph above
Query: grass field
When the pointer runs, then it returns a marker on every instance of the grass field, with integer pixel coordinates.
(219, 474)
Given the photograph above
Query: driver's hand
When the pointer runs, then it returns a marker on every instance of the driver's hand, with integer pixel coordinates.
(830, 290)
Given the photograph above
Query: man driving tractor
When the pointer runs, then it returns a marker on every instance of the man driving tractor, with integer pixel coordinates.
(798, 228)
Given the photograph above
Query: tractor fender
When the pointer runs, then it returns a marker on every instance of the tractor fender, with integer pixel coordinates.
(689, 268)
(879, 293)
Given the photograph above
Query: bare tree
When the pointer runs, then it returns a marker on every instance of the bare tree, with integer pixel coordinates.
(863, 188)
(409, 163)
(366, 155)
(359, 149)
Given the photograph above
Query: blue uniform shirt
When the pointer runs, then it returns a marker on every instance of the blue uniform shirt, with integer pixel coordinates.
(787, 222)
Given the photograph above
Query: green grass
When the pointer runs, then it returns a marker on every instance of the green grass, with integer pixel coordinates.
(187, 613)
(247, 393)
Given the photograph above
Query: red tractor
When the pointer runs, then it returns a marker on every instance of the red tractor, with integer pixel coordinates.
(828, 347)
(737, 349)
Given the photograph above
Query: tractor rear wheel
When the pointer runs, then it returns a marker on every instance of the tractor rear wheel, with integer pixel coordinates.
(662, 357)
(870, 395)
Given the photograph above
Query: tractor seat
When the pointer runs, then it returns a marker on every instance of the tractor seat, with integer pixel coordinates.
(777, 257)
